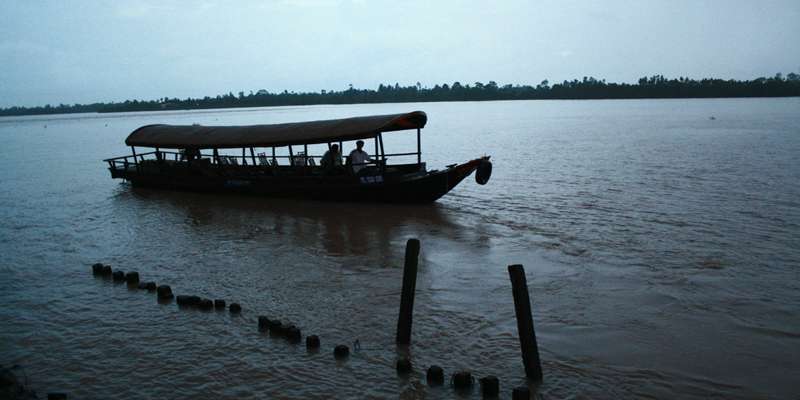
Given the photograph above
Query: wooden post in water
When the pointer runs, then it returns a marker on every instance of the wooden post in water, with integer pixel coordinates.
(527, 336)
(407, 297)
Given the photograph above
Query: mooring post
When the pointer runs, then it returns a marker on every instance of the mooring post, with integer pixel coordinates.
(521, 393)
(527, 336)
(407, 297)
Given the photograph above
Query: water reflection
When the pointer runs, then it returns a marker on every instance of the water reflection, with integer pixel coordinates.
(342, 229)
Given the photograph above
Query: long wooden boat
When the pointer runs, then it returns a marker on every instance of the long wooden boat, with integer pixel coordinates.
(191, 158)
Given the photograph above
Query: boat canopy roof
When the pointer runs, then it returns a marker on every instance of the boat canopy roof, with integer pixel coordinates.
(205, 137)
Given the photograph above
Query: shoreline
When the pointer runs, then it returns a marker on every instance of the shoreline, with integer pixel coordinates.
(248, 108)
(589, 88)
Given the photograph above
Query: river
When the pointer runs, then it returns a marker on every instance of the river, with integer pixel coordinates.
(661, 242)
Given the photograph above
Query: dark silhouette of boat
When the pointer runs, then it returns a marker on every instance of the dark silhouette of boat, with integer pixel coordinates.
(188, 165)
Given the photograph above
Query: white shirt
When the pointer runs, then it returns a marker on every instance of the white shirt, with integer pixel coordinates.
(358, 159)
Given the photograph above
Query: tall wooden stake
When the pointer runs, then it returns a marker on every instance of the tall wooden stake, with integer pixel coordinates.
(407, 297)
(527, 336)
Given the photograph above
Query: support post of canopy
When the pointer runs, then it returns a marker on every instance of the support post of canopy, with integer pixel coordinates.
(383, 153)
(253, 156)
(216, 157)
(291, 156)
(135, 160)
(274, 160)
(244, 158)
(376, 148)
(419, 147)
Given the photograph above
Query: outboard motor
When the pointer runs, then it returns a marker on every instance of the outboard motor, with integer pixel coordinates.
(484, 172)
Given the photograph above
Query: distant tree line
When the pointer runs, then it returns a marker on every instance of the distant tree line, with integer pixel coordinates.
(656, 86)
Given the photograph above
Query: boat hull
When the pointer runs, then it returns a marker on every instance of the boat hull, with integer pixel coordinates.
(415, 187)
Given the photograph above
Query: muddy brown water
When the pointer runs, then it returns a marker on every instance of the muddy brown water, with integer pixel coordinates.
(661, 248)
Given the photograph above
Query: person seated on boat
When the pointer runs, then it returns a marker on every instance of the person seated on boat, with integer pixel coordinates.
(331, 159)
(190, 154)
(359, 158)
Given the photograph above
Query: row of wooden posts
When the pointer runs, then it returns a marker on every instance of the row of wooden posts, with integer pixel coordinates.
(435, 375)
(164, 292)
(522, 309)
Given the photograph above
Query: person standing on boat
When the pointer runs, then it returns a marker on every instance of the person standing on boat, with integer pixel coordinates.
(332, 158)
(359, 158)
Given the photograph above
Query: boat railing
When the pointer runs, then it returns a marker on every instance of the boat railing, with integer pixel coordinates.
(262, 159)
(299, 159)
(132, 160)
(399, 154)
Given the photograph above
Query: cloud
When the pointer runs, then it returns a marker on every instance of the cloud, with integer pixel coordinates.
(310, 3)
(24, 47)
(142, 9)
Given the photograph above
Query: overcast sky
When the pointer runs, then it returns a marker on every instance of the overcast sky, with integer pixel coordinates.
(86, 51)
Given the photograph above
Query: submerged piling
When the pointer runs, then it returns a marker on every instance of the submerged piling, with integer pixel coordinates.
(263, 323)
(283, 330)
(527, 336)
(119, 276)
(97, 269)
(407, 297)
(403, 366)
(164, 292)
(274, 326)
(490, 387)
(312, 342)
(188, 301)
(205, 304)
(293, 334)
(132, 278)
(341, 351)
(521, 393)
(435, 375)
(462, 380)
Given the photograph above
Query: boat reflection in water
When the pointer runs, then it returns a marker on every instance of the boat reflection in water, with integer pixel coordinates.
(341, 228)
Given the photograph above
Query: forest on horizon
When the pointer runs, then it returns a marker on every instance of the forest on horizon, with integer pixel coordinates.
(656, 87)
